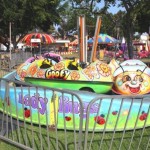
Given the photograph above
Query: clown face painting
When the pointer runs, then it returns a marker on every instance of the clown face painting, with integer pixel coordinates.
(132, 78)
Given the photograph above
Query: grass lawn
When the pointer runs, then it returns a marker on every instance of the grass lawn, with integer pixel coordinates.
(94, 140)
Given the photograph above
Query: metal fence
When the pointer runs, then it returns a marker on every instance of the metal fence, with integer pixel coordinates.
(43, 118)
(29, 117)
(7, 64)
(123, 117)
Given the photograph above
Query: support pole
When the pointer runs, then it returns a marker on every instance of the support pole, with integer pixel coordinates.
(94, 47)
(82, 44)
(31, 49)
(86, 39)
(10, 40)
(40, 48)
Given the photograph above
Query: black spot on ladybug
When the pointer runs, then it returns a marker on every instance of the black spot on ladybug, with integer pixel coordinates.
(102, 115)
(143, 112)
(25, 108)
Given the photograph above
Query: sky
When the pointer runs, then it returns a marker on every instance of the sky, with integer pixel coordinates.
(112, 9)
(115, 9)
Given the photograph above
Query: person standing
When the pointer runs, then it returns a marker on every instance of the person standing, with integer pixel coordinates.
(23, 48)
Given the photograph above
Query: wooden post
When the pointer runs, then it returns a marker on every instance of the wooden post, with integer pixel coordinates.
(94, 47)
(81, 25)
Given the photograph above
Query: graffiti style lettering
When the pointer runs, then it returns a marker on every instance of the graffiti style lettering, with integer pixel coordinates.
(94, 108)
(85, 105)
(27, 101)
(36, 102)
(43, 102)
(59, 74)
(67, 106)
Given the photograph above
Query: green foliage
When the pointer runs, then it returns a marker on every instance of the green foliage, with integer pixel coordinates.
(142, 12)
(28, 15)
(136, 16)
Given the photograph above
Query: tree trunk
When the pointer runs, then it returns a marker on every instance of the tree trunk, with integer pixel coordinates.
(129, 45)
(14, 41)
(128, 32)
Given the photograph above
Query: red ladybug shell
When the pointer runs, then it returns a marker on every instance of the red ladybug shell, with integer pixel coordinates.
(67, 118)
(97, 118)
(114, 112)
(143, 116)
(100, 120)
(27, 113)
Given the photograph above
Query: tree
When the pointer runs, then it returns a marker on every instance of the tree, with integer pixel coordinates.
(27, 15)
(69, 22)
(129, 18)
(143, 17)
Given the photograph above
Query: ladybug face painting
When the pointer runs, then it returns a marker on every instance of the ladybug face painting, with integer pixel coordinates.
(132, 78)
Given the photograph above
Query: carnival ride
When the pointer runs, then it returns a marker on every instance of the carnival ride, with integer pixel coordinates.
(131, 77)
(68, 74)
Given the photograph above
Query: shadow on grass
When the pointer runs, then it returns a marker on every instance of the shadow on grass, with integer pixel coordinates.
(110, 142)
(40, 137)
